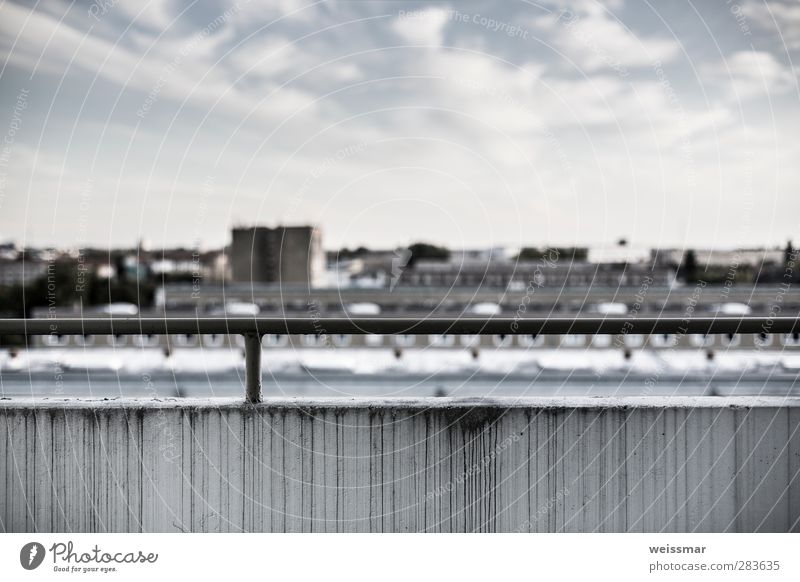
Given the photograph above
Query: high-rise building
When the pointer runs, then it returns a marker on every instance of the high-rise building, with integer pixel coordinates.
(289, 255)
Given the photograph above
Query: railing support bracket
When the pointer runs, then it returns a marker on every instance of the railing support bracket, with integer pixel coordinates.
(252, 367)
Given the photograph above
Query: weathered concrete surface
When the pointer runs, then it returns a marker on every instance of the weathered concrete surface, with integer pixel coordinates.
(701, 464)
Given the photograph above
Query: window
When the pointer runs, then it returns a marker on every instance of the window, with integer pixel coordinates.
(700, 340)
(791, 339)
(213, 340)
(663, 340)
(573, 340)
(633, 340)
(470, 340)
(442, 340)
(763, 339)
(601, 340)
(404, 340)
(731, 340)
(186, 340)
(373, 340)
(313, 340)
(55, 340)
(84, 340)
(502, 340)
(145, 341)
(273, 340)
(117, 340)
(530, 340)
(342, 339)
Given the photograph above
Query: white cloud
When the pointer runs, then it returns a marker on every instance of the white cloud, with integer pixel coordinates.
(773, 16)
(156, 15)
(748, 74)
(305, 10)
(595, 40)
(177, 69)
(422, 27)
(27, 35)
(275, 58)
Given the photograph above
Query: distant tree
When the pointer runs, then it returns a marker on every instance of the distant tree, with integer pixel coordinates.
(688, 270)
(530, 254)
(64, 286)
(563, 253)
(345, 253)
(573, 253)
(790, 262)
(120, 270)
(427, 251)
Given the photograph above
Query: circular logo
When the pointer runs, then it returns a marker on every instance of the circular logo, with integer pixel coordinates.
(31, 555)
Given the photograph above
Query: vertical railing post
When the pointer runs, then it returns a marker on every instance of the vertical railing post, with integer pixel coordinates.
(252, 367)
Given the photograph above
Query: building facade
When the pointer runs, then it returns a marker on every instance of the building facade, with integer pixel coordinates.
(286, 255)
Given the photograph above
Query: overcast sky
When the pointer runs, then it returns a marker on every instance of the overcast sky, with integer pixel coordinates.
(466, 123)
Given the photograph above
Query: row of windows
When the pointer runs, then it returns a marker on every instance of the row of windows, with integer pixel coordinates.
(342, 340)
(521, 280)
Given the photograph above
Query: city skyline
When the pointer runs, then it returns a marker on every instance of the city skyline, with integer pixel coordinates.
(201, 246)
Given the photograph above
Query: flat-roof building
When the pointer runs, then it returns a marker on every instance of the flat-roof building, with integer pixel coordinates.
(286, 255)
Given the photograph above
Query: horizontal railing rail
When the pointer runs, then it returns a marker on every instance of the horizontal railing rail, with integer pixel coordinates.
(252, 328)
(399, 325)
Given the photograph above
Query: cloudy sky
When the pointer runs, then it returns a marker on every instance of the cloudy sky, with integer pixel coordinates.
(671, 123)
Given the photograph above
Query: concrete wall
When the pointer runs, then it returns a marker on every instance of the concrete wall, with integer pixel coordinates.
(705, 464)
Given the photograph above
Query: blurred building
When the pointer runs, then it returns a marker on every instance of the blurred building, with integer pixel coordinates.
(710, 258)
(19, 271)
(514, 275)
(289, 255)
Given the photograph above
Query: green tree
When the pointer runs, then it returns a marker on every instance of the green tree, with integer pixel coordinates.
(688, 269)
(427, 251)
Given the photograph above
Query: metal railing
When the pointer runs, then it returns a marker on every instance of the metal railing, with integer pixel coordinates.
(253, 328)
